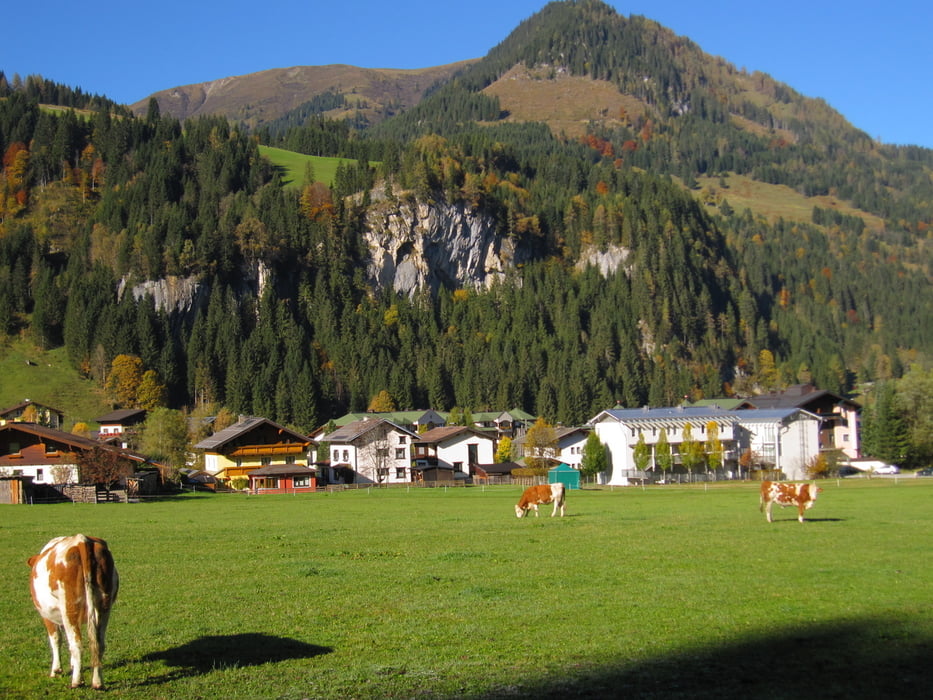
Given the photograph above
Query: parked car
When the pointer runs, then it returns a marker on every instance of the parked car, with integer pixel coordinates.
(886, 469)
(924, 472)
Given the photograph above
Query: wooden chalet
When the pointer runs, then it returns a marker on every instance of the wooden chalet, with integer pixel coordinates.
(250, 444)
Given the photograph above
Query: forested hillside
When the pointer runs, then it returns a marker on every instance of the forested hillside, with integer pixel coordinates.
(105, 216)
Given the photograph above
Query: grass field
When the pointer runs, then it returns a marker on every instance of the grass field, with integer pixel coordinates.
(292, 166)
(47, 377)
(639, 593)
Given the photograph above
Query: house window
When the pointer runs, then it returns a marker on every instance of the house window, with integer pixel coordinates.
(346, 455)
(289, 459)
(336, 455)
(458, 466)
(400, 473)
(39, 475)
(399, 453)
(265, 461)
(401, 439)
(302, 482)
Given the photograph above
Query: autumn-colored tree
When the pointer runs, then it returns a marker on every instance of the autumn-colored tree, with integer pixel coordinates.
(151, 392)
(103, 466)
(691, 449)
(81, 428)
(316, 201)
(540, 447)
(504, 450)
(381, 403)
(126, 374)
(30, 414)
(714, 449)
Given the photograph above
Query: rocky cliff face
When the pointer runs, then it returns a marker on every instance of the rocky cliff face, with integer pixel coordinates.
(413, 246)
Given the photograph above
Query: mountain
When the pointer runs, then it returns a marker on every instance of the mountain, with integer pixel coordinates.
(595, 212)
(257, 98)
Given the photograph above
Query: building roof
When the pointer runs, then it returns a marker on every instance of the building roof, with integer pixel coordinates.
(74, 443)
(444, 433)
(677, 415)
(123, 416)
(283, 470)
(242, 427)
(416, 417)
(796, 396)
(352, 431)
(20, 407)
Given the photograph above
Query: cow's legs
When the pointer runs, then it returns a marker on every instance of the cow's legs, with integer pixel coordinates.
(97, 650)
(54, 638)
(535, 506)
(768, 510)
(800, 509)
(73, 635)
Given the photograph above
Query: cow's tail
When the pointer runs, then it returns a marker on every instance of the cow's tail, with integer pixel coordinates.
(89, 570)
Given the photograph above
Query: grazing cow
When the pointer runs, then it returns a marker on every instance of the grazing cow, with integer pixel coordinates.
(787, 494)
(543, 494)
(74, 582)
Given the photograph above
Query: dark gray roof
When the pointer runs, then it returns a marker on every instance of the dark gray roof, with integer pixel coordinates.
(242, 427)
(123, 416)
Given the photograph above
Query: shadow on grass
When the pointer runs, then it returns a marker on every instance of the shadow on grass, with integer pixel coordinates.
(860, 660)
(207, 654)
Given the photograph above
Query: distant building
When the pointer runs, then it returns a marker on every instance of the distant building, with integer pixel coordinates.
(33, 412)
(370, 451)
(839, 416)
(783, 440)
(250, 444)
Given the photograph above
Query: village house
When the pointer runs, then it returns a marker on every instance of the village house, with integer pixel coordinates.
(512, 423)
(417, 421)
(570, 445)
(370, 451)
(839, 416)
(46, 455)
(782, 440)
(251, 444)
(120, 426)
(33, 412)
(453, 451)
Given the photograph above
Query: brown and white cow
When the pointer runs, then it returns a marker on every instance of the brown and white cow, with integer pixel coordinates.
(787, 494)
(74, 582)
(535, 495)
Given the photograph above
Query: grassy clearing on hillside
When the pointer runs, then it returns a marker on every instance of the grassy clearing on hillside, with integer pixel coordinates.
(293, 165)
(47, 377)
(659, 592)
(775, 202)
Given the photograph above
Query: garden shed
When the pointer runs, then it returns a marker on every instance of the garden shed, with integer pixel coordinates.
(564, 474)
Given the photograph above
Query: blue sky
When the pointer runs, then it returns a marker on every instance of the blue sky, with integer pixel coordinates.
(870, 61)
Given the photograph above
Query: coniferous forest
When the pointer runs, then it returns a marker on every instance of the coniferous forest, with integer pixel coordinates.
(707, 301)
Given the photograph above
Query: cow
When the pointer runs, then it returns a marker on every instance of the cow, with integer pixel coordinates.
(74, 582)
(543, 494)
(787, 494)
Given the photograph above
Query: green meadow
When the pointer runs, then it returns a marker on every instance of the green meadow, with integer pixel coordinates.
(661, 592)
(292, 166)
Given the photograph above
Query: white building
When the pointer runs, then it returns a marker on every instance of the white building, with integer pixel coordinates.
(570, 445)
(376, 450)
(781, 439)
(456, 448)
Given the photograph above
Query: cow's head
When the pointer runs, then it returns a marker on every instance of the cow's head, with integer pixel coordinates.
(519, 511)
